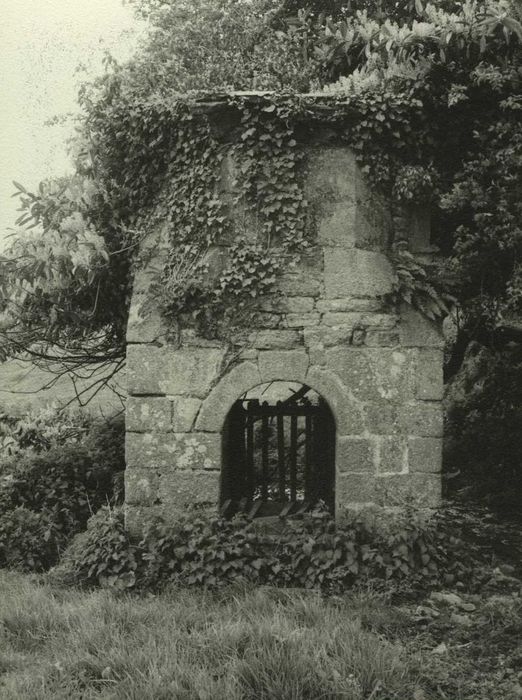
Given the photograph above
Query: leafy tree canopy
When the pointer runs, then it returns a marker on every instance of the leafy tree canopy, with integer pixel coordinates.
(436, 90)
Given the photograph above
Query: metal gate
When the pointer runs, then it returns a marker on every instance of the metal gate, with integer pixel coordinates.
(279, 458)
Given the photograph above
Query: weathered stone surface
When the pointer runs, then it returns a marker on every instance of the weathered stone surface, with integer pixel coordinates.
(397, 489)
(423, 419)
(184, 412)
(348, 304)
(166, 370)
(332, 175)
(353, 489)
(393, 455)
(338, 226)
(325, 326)
(383, 339)
(347, 411)
(430, 382)
(418, 331)
(298, 305)
(141, 486)
(305, 281)
(302, 320)
(357, 273)
(173, 451)
(274, 339)
(374, 374)
(191, 372)
(149, 328)
(285, 365)
(234, 384)
(355, 454)
(359, 320)
(383, 417)
(190, 338)
(187, 488)
(144, 369)
(327, 336)
(425, 454)
(148, 413)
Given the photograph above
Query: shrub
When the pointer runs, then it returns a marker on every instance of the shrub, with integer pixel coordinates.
(40, 429)
(484, 440)
(28, 540)
(100, 556)
(405, 550)
(207, 551)
(61, 482)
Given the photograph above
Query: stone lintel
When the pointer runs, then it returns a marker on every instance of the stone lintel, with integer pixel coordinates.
(283, 365)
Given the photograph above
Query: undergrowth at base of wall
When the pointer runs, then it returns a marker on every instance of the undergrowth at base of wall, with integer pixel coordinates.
(409, 550)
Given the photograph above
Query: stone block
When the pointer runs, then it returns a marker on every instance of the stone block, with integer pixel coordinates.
(298, 305)
(382, 418)
(430, 382)
(304, 320)
(304, 281)
(179, 490)
(141, 486)
(359, 320)
(374, 374)
(382, 339)
(398, 489)
(423, 419)
(284, 365)
(348, 304)
(353, 489)
(393, 455)
(275, 339)
(173, 451)
(166, 370)
(149, 328)
(234, 384)
(347, 411)
(144, 369)
(356, 273)
(327, 336)
(184, 412)
(148, 414)
(418, 331)
(332, 176)
(355, 454)
(425, 454)
(189, 337)
(337, 225)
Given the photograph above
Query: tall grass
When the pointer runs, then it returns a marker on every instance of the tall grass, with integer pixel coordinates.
(241, 644)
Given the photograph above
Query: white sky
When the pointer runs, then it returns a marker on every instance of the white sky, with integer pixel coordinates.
(41, 44)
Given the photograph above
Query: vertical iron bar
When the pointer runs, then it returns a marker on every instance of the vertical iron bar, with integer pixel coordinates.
(264, 457)
(308, 486)
(250, 452)
(293, 457)
(281, 452)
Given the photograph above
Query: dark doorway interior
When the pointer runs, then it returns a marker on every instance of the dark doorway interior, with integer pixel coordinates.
(278, 452)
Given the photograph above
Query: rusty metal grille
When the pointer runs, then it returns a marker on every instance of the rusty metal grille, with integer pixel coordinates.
(279, 457)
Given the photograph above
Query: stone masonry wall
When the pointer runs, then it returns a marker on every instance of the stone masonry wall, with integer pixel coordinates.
(380, 372)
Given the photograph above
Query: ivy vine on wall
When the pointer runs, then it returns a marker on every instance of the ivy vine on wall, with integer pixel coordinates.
(264, 222)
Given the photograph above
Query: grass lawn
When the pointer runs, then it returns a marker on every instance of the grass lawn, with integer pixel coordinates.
(255, 644)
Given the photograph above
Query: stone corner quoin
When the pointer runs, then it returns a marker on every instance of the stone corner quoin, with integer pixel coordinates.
(379, 370)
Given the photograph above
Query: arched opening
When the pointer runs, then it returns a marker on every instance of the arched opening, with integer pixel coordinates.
(278, 452)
